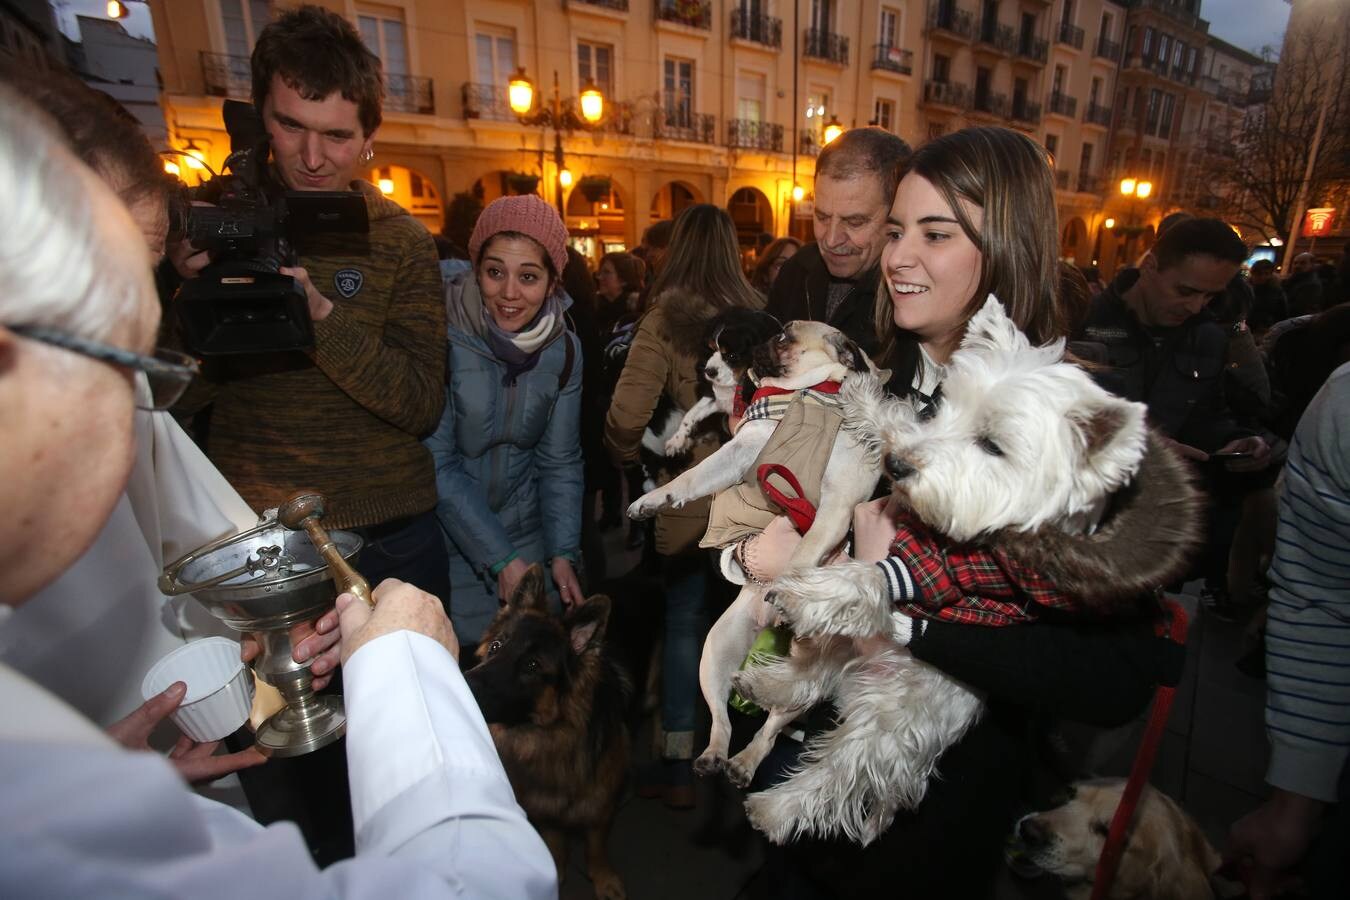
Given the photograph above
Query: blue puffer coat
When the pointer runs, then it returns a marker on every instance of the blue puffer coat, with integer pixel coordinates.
(508, 469)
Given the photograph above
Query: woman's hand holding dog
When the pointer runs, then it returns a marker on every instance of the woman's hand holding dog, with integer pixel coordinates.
(874, 528)
(1268, 842)
(399, 606)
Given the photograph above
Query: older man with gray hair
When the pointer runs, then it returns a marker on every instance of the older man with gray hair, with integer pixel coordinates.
(835, 279)
(79, 816)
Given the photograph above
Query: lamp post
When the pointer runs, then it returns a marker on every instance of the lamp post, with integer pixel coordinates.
(560, 116)
(1134, 190)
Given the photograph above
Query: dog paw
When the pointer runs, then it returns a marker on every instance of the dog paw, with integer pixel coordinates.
(709, 762)
(739, 771)
(648, 505)
(849, 600)
(678, 445)
(769, 815)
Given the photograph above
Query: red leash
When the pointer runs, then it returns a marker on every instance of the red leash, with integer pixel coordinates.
(798, 508)
(1109, 861)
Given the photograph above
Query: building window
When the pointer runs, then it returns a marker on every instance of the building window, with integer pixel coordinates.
(1060, 74)
(1151, 115)
(1052, 146)
(888, 32)
(1165, 125)
(383, 32)
(942, 68)
(936, 129)
(679, 92)
(1085, 160)
(596, 61)
(1148, 42)
(243, 20)
(1094, 92)
(1068, 12)
(821, 14)
(1164, 44)
(750, 96)
(496, 51)
(883, 114)
(1105, 32)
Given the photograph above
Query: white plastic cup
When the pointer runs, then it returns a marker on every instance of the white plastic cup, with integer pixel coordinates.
(219, 687)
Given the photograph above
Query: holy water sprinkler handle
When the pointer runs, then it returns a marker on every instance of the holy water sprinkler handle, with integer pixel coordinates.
(304, 511)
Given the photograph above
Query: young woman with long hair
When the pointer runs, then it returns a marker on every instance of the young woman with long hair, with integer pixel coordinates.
(974, 214)
(699, 276)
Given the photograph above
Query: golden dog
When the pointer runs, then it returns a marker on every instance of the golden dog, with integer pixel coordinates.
(1166, 855)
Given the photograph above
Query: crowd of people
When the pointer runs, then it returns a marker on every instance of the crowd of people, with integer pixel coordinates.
(471, 417)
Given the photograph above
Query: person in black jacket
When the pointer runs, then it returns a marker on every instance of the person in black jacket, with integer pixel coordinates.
(1163, 347)
(835, 279)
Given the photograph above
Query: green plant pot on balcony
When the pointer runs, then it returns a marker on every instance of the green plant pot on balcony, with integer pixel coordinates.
(522, 183)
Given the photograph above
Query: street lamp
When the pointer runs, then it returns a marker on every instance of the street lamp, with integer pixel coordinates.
(560, 116)
(1134, 190)
(833, 129)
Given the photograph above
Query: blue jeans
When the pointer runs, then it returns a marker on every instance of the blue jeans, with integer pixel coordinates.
(410, 549)
(686, 585)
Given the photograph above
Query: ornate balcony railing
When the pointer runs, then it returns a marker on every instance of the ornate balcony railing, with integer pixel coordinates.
(227, 76)
(679, 125)
(409, 93)
(1070, 34)
(1062, 105)
(747, 134)
(618, 117)
(1108, 49)
(1000, 37)
(617, 5)
(946, 93)
(1033, 48)
(990, 104)
(826, 45)
(1089, 184)
(693, 13)
(1026, 112)
(1096, 114)
(948, 18)
(764, 30)
(808, 144)
(892, 59)
(1063, 178)
(486, 101)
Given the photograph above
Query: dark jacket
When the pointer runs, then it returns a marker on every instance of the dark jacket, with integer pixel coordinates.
(1269, 305)
(802, 291)
(1177, 373)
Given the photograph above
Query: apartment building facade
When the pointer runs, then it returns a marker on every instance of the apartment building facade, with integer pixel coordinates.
(722, 102)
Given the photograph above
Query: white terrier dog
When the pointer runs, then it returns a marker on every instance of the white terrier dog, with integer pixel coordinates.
(1023, 454)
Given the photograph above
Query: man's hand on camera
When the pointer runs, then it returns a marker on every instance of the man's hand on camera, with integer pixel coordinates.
(187, 259)
(319, 305)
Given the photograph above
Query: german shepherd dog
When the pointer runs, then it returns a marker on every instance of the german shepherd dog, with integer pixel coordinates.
(555, 704)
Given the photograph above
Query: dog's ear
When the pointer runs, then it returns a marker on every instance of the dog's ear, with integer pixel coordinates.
(1114, 438)
(586, 624)
(991, 329)
(849, 353)
(529, 593)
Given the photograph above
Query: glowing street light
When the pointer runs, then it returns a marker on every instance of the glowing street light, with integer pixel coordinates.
(1109, 223)
(117, 10)
(386, 186)
(592, 102)
(797, 193)
(565, 178)
(520, 91)
(833, 129)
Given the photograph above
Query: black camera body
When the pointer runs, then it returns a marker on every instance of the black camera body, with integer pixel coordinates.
(240, 302)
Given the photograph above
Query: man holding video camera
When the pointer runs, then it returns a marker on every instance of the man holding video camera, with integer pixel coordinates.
(345, 416)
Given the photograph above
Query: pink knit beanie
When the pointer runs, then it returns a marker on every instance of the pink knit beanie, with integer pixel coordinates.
(529, 215)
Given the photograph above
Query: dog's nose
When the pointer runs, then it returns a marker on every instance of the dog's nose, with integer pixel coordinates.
(898, 469)
(1033, 832)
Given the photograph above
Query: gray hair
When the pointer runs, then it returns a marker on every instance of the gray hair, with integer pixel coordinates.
(61, 266)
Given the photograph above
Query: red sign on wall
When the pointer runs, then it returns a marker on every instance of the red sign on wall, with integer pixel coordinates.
(1318, 222)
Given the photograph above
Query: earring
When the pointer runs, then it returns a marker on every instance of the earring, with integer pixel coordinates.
(368, 155)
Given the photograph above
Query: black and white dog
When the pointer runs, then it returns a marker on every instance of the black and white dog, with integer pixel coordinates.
(732, 337)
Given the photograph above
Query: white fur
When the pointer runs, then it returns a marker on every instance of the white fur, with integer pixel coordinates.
(1066, 446)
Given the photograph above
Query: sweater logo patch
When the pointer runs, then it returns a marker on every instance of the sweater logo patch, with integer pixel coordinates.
(348, 282)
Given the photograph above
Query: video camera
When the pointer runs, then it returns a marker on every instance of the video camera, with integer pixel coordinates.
(240, 303)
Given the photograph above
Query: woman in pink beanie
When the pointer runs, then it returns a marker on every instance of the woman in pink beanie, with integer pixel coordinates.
(507, 450)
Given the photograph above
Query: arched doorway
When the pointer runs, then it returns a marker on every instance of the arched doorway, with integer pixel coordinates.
(413, 191)
(595, 217)
(753, 215)
(673, 198)
(1073, 242)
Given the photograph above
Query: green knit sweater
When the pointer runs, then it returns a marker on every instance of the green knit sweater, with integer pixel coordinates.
(347, 418)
